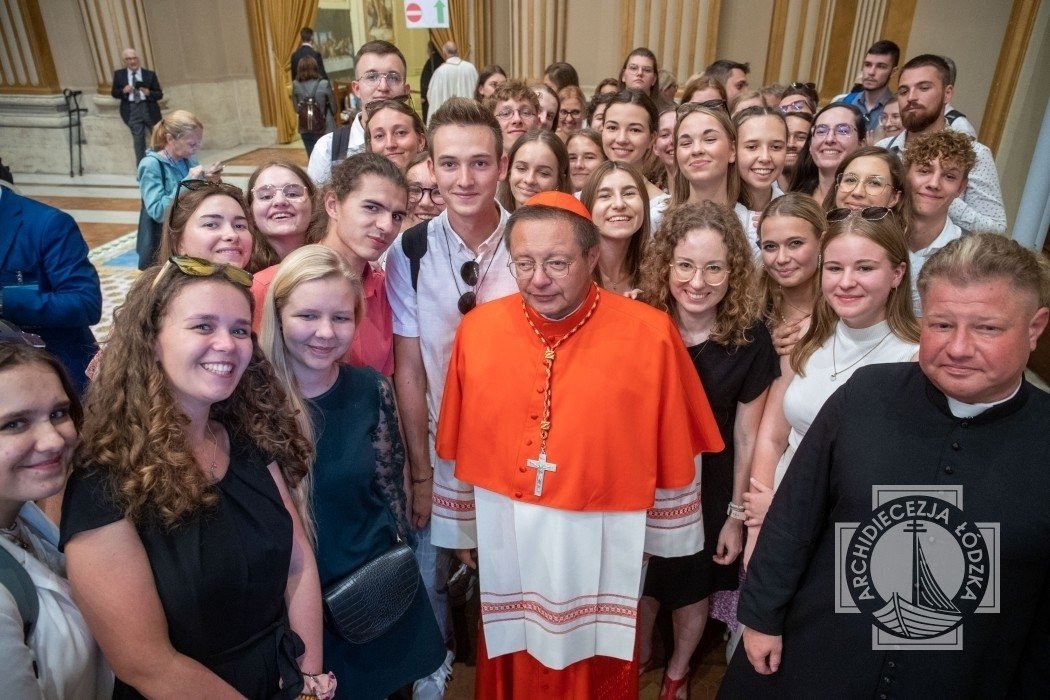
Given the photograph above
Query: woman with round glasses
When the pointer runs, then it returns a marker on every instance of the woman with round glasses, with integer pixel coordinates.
(425, 201)
(281, 198)
(641, 72)
(838, 130)
(365, 203)
(185, 483)
(619, 205)
(356, 485)
(395, 131)
(870, 177)
(700, 271)
(572, 104)
(585, 154)
(537, 162)
(40, 420)
(864, 316)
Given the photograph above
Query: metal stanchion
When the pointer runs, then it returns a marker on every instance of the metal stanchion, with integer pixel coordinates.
(75, 111)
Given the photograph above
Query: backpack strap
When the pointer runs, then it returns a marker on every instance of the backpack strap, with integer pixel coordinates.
(414, 243)
(15, 578)
(341, 141)
(951, 115)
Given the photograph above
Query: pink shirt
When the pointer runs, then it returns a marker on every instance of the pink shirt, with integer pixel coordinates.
(373, 344)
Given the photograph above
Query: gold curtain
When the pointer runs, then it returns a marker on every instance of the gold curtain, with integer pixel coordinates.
(472, 38)
(274, 27)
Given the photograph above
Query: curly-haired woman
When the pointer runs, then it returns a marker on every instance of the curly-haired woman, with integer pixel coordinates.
(183, 542)
(700, 270)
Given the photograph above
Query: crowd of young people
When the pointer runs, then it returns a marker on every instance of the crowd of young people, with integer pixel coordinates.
(261, 422)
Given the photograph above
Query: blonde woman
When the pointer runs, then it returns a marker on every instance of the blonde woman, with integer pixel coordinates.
(864, 316)
(355, 489)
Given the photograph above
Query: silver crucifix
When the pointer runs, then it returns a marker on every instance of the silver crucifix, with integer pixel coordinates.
(541, 465)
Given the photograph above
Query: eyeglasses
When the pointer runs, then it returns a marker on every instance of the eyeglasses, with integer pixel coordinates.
(796, 106)
(416, 192)
(712, 274)
(555, 269)
(197, 186)
(199, 267)
(373, 77)
(376, 105)
(874, 186)
(644, 70)
(566, 113)
(843, 130)
(802, 86)
(867, 213)
(507, 113)
(265, 193)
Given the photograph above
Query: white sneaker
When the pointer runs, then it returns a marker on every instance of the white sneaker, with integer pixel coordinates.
(433, 686)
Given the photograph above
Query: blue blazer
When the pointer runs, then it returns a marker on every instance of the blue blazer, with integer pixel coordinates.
(49, 287)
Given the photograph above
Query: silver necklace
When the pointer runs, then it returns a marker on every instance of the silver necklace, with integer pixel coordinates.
(214, 451)
(835, 371)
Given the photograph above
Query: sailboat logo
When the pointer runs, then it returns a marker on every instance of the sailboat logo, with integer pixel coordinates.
(918, 567)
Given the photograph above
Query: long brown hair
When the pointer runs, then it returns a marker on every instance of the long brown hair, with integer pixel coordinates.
(262, 254)
(795, 205)
(680, 189)
(637, 244)
(900, 315)
(561, 156)
(737, 311)
(134, 431)
(316, 205)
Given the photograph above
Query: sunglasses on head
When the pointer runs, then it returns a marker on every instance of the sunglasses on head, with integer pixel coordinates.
(199, 267)
(376, 105)
(867, 213)
(197, 186)
(706, 104)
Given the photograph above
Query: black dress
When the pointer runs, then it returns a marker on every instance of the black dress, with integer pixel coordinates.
(221, 576)
(731, 376)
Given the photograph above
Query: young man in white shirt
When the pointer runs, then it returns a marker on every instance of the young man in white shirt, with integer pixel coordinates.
(938, 166)
(379, 74)
(435, 275)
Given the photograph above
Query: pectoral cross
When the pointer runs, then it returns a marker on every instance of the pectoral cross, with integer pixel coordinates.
(541, 465)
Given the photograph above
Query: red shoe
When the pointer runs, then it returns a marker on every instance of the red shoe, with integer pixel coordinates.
(671, 687)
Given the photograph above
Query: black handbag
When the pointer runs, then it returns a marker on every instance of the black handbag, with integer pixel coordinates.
(367, 602)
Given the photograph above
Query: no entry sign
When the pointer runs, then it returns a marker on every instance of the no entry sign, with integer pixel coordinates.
(426, 14)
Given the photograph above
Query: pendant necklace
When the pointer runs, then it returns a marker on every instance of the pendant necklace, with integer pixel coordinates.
(835, 371)
(541, 465)
(214, 451)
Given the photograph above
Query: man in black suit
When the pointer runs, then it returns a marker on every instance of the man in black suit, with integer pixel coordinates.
(306, 35)
(139, 92)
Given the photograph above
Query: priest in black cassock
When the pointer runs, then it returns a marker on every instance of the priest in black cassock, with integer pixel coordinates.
(907, 551)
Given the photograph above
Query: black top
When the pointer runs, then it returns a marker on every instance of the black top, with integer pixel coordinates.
(221, 576)
(731, 375)
(303, 51)
(889, 426)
